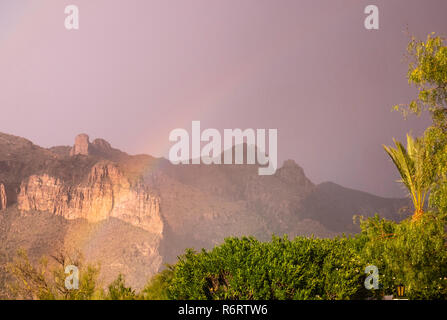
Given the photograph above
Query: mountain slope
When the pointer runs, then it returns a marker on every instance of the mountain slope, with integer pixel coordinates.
(334, 206)
(133, 213)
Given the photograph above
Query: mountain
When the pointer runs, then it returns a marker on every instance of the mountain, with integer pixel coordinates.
(334, 206)
(135, 213)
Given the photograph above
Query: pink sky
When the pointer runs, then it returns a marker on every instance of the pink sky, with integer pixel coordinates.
(138, 69)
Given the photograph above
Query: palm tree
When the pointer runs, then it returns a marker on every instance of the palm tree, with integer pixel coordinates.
(414, 169)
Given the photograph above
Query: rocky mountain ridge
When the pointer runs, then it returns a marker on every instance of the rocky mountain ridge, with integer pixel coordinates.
(164, 208)
(107, 193)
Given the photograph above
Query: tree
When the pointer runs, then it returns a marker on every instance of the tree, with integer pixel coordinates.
(428, 72)
(30, 282)
(119, 291)
(415, 170)
(46, 281)
(412, 254)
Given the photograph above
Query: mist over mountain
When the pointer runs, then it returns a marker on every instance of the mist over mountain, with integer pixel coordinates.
(135, 213)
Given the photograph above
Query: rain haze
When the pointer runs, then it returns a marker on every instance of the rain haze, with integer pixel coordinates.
(135, 70)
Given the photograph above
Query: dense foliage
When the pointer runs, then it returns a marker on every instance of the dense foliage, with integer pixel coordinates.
(413, 254)
(427, 70)
(408, 253)
(281, 269)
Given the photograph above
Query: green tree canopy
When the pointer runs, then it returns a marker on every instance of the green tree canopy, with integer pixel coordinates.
(428, 72)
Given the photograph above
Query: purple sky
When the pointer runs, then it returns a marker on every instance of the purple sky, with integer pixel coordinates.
(138, 69)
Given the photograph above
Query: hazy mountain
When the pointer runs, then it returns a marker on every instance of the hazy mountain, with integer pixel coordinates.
(132, 213)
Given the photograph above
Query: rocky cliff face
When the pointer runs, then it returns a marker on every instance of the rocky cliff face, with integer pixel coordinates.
(99, 148)
(3, 199)
(81, 146)
(120, 222)
(106, 193)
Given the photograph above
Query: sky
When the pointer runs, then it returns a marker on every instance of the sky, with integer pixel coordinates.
(137, 69)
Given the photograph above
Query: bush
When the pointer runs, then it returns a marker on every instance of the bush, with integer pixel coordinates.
(409, 253)
(43, 281)
(305, 268)
(119, 291)
(157, 288)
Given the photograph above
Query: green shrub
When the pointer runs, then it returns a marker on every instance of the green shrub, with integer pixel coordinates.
(157, 287)
(305, 268)
(117, 290)
(410, 253)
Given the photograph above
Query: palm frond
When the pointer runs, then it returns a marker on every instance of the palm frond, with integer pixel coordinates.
(411, 162)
